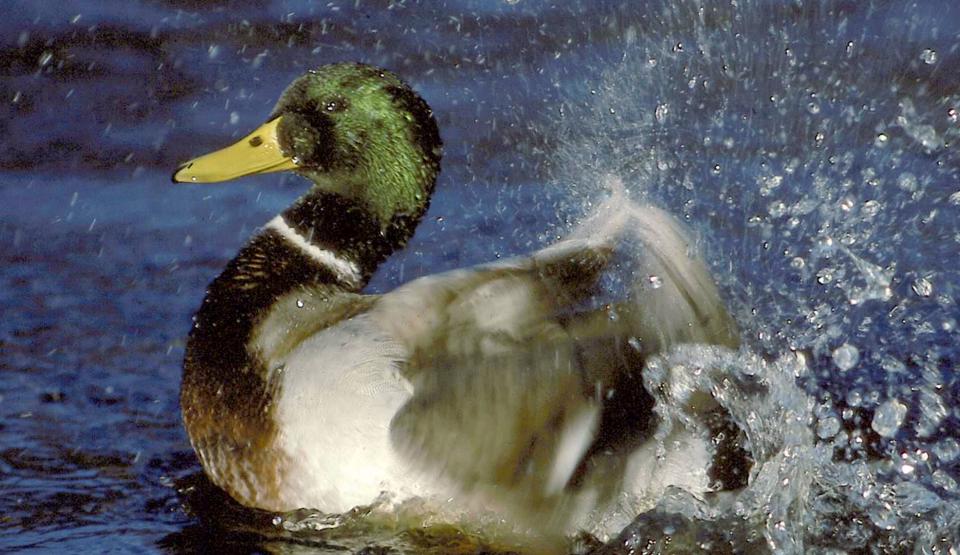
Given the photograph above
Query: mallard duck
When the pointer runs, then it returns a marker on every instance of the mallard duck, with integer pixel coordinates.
(499, 388)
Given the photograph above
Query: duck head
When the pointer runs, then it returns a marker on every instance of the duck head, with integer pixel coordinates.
(353, 130)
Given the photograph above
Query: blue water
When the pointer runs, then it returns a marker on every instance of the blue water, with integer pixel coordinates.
(811, 145)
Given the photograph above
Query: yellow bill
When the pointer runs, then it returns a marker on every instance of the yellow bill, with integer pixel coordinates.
(258, 152)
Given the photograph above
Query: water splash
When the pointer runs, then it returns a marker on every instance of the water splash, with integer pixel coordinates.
(819, 177)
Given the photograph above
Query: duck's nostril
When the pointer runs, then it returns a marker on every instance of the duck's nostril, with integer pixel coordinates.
(256, 141)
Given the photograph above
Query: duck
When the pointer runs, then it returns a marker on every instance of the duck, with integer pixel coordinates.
(505, 389)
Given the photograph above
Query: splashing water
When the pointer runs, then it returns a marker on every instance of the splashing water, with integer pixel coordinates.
(817, 163)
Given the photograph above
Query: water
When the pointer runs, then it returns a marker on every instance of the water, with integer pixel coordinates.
(812, 146)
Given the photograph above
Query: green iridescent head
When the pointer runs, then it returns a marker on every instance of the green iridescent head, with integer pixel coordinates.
(352, 129)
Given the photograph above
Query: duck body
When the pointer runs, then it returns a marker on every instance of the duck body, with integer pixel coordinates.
(498, 388)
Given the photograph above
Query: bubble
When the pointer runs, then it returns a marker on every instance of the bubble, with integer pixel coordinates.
(889, 416)
(846, 356)
(929, 56)
(881, 140)
(870, 208)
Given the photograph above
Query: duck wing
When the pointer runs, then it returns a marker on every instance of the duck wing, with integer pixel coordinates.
(520, 386)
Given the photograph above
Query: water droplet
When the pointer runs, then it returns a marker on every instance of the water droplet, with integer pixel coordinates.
(846, 356)
(952, 115)
(45, 59)
(661, 112)
(922, 287)
(655, 281)
(881, 140)
(768, 184)
(929, 56)
(777, 209)
(813, 108)
(678, 47)
(889, 416)
(854, 398)
(892, 365)
(299, 303)
(828, 427)
(907, 181)
(825, 276)
(846, 204)
(797, 263)
(870, 208)
(947, 450)
(943, 480)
